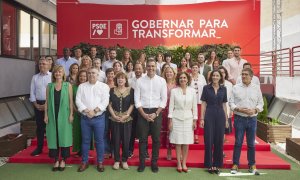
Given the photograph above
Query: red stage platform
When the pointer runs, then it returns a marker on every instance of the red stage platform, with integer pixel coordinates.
(265, 159)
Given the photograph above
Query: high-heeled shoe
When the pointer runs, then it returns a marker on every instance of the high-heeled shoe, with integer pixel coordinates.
(56, 166)
(179, 170)
(62, 168)
(185, 170)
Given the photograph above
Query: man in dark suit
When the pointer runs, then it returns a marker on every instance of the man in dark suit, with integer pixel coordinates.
(203, 68)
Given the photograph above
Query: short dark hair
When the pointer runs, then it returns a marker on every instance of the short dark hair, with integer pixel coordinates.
(109, 70)
(237, 47)
(187, 75)
(151, 59)
(112, 50)
(168, 55)
(247, 64)
(249, 71)
(211, 75)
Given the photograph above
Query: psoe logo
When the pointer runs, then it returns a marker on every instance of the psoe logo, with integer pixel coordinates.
(99, 29)
(109, 29)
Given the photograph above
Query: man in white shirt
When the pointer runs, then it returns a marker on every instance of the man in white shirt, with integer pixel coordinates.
(234, 65)
(66, 61)
(150, 98)
(138, 70)
(38, 88)
(92, 99)
(97, 64)
(254, 80)
(109, 63)
(246, 101)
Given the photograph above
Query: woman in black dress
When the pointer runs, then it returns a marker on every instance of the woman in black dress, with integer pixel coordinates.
(120, 106)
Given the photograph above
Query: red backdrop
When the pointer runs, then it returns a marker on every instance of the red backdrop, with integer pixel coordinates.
(108, 25)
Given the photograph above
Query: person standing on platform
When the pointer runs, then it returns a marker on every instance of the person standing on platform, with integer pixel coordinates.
(159, 63)
(182, 116)
(197, 82)
(183, 67)
(66, 61)
(234, 66)
(81, 78)
(93, 53)
(254, 80)
(150, 98)
(51, 62)
(108, 149)
(170, 76)
(77, 55)
(126, 58)
(59, 118)
(112, 59)
(138, 71)
(38, 88)
(73, 71)
(120, 107)
(97, 65)
(246, 102)
(213, 118)
(92, 99)
(203, 68)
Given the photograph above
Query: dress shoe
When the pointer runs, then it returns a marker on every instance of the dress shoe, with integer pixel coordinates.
(141, 167)
(179, 170)
(36, 152)
(185, 170)
(100, 167)
(154, 167)
(217, 171)
(210, 170)
(82, 167)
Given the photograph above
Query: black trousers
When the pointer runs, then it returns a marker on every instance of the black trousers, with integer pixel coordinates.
(40, 125)
(144, 129)
(133, 129)
(121, 133)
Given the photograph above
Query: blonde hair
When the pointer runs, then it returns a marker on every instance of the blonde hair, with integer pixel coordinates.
(164, 73)
(55, 69)
(90, 61)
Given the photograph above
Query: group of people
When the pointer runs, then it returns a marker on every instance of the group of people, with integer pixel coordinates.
(83, 101)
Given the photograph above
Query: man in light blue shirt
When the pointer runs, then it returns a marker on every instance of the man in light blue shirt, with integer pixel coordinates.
(66, 61)
(38, 87)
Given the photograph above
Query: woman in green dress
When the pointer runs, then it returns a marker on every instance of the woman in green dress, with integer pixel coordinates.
(81, 78)
(59, 118)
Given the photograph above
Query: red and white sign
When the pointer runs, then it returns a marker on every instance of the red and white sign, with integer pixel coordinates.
(136, 26)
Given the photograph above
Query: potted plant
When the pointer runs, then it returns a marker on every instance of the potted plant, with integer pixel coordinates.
(271, 129)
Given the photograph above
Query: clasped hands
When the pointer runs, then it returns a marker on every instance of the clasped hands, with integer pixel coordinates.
(120, 118)
(149, 117)
(247, 111)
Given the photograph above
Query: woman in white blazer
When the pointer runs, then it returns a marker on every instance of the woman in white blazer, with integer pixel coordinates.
(182, 118)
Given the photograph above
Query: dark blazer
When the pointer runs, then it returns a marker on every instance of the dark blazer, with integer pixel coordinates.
(206, 69)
